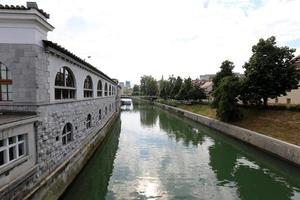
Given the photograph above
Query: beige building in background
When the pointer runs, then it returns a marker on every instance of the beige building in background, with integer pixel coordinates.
(292, 97)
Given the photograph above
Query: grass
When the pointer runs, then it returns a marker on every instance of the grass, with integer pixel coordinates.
(280, 124)
(199, 109)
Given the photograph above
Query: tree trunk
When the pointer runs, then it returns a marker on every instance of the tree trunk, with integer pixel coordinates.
(265, 99)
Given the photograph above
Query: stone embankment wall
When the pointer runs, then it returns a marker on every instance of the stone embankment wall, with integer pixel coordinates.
(281, 149)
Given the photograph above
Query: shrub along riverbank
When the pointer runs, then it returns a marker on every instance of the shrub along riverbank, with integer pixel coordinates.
(278, 122)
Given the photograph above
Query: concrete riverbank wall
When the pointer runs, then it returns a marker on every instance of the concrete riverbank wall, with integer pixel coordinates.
(278, 148)
(281, 149)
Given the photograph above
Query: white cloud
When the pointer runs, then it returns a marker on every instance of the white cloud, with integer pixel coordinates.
(127, 39)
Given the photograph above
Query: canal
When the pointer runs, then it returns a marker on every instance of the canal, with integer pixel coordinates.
(153, 154)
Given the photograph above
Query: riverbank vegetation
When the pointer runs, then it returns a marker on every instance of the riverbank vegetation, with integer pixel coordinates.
(240, 100)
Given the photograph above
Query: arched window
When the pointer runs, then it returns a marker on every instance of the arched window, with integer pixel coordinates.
(105, 89)
(99, 88)
(5, 83)
(67, 134)
(109, 89)
(89, 121)
(105, 110)
(100, 115)
(88, 87)
(64, 84)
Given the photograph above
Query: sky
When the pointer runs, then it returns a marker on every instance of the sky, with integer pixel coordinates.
(129, 38)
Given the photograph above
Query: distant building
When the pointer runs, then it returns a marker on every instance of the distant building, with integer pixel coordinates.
(127, 84)
(292, 97)
(207, 77)
(121, 84)
(206, 85)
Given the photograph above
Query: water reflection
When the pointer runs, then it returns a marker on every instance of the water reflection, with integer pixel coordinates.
(174, 127)
(148, 115)
(251, 180)
(162, 156)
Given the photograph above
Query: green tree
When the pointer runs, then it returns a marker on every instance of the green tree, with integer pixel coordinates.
(148, 86)
(196, 93)
(226, 70)
(185, 89)
(136, 90)
(269, 72)
(164, 88)
(176, 87)
(226, 95)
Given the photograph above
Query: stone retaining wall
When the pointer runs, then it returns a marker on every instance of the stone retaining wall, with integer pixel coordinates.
(281, 149)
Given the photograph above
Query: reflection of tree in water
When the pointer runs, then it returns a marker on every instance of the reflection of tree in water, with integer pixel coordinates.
(180, 129)
(251, 182)
(148, 115)
(93, 180)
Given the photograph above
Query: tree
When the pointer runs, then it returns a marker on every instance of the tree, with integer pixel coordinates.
(148, 86)
(136, 90)
(196, 93)
(184, 90)
(226, 95)
(164, 87)
(226, 70)
(176, 85)
(269, 72)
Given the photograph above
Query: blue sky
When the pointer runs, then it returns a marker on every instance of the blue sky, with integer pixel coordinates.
(127, 39)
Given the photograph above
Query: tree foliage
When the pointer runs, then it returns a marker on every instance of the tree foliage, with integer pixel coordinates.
(196, 93)
(185, 90)
(269, 72)
(226, 70)
(226, 94)
(136, 90)
(148, 86)
(176, 85)
(164, 88)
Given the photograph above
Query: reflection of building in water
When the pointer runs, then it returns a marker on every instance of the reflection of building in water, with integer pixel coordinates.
(234, 169)
(98, 171)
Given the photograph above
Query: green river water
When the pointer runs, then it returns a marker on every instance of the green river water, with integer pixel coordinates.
(153, 154)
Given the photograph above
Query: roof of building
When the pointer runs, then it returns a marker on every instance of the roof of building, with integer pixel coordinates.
(207, 84)
(63, 50)
(10, 117)
(30, 5)
(296, 59)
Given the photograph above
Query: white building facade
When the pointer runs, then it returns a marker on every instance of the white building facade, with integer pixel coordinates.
(55, 108)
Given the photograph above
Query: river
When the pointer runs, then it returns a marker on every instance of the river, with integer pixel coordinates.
(153, 154)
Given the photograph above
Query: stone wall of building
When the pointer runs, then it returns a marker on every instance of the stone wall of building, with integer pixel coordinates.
(51, 151)
(28, 64)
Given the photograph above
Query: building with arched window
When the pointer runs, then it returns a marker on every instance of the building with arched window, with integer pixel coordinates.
(99, 88)
(64, 84)
(49, 100)
(67, 134)
(88, 87)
